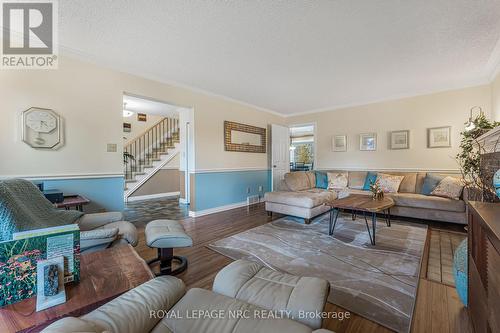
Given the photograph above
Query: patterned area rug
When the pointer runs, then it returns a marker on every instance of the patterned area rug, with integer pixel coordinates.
(377, 282)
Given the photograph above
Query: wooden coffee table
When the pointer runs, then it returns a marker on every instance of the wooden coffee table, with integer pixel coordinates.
(104, 275)
(364, 204)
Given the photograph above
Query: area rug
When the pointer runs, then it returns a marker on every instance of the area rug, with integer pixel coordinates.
(376, 282)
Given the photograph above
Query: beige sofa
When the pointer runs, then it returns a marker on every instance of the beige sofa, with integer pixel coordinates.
(243, 295)
(297, 196)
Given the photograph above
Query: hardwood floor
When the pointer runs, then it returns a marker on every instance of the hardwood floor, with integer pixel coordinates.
(437, 309)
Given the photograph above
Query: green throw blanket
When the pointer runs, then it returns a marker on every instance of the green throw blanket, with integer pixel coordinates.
(23, 207)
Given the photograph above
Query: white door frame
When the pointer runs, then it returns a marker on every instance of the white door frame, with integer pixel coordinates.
(315, 143)
(287, 153)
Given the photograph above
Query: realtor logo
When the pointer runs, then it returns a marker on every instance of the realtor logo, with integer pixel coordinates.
(29, 36)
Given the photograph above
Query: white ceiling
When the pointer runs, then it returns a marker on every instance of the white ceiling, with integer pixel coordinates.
(148, 106)
(291, 56)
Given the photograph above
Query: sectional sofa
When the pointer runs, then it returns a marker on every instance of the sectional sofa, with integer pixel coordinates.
(298, 196)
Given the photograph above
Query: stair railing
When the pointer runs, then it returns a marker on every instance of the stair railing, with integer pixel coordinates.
(142, 151)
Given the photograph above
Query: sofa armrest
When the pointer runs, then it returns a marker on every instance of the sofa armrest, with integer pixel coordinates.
(96, 220)
(97, 239)
(138, 310)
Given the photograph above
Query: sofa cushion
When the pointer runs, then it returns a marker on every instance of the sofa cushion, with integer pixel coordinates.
(427, 202)
(202, 310)
(389, 183)
(298, 181)
(306, 199)
(357, 179)
(371, 177)
(253, 283)
(321, 180)
(449, 187)
(337, 180)
(431, 180)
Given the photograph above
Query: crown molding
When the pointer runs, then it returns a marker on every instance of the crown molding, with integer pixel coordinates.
(470, 84)
(492, 68)
(91, 59)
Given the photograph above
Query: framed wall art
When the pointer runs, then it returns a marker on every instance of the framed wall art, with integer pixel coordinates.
(439, 137)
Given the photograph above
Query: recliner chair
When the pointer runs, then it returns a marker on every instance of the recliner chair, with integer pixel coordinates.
(23, 207)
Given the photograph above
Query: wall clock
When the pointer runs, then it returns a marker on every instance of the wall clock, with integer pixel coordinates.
(41, 128)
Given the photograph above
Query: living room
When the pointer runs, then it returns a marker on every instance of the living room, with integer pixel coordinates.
(341, 156)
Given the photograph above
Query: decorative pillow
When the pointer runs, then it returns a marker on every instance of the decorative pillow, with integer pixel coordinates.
(321, 180)
(430, 183)
(371, 177)
(449, 187)
(337, 180)
(389, 183)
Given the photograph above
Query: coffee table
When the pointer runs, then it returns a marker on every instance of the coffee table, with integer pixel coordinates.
(104, 275)
(364, 204)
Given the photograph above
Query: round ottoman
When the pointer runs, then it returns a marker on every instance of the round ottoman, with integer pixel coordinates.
(166, 235)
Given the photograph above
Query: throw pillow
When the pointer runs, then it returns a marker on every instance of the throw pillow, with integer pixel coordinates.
(389, 183)
(337, 180)
(321, 180)
(449, 187)
(430, 183)
(371, 177)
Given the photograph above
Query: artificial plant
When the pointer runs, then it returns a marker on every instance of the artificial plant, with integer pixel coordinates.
(469, 157)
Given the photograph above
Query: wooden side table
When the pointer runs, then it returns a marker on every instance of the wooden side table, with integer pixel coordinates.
(104, 275)
(76, 201)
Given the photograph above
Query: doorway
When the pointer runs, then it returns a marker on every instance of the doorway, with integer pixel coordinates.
(302, 147)
(155, 149)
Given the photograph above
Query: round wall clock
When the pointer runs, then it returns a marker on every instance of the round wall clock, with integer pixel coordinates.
(496, 182)
(41, 128)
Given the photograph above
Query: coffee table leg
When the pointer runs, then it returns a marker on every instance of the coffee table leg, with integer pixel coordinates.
(388, 217)
(374, 225)
(333, 222)
(374, 221)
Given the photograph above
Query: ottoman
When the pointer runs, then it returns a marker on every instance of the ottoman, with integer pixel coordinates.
(165, 235)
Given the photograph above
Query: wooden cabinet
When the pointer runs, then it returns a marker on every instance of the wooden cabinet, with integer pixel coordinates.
(484, 266)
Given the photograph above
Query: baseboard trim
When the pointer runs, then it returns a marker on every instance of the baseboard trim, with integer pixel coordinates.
(217, 209)
(153, 196)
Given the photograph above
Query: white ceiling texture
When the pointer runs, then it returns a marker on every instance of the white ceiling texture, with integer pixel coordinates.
(291, 56)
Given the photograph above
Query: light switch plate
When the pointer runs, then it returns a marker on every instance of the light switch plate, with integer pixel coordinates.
(112, 147)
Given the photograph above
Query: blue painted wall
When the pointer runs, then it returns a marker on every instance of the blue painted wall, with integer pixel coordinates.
(104, 193)
(215, 189)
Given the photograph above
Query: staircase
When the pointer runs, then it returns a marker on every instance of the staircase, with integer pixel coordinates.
(149, 152)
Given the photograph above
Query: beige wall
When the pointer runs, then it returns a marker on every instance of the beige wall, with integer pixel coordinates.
(495, 93)
(164, 181)
(415, 114)
(89, 99)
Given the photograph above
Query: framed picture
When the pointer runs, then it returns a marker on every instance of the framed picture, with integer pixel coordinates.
(368, 141)
(142, 117)
(127, 127)
(339, 142)
(400, 139)
(439, 137)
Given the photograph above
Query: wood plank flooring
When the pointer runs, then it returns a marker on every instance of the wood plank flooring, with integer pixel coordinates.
(437, 309)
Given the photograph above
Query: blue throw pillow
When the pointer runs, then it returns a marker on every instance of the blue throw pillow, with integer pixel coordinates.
(321, 179)
(371, 177)
(430, 183)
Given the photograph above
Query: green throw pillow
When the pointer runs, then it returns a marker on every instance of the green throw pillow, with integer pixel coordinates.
(321, 180)
(371, 177)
